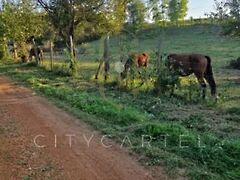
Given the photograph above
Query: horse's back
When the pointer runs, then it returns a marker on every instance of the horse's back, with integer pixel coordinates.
(193, 58)
(189, 63)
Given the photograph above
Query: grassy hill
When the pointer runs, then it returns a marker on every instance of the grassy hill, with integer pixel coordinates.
(189, 137)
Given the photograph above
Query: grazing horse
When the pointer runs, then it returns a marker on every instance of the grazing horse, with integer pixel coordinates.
(39, 53)
(138, 60)
(197, 64)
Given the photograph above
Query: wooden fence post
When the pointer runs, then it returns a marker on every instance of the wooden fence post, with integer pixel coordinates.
(104, 59)
(35, 51)
(51, 54)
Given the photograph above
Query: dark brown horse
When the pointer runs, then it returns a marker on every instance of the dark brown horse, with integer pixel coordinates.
(39, 52)
(197, 64)
(137, 60)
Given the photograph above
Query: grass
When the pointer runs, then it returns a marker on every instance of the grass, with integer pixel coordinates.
(171, 123)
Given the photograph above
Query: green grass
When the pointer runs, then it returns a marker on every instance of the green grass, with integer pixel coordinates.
(113, 109)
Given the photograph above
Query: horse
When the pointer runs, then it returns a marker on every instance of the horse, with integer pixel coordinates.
(39, 54)
(135, 59)
(197, 64)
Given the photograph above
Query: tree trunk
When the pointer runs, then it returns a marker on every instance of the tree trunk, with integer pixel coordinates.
(71, 46)
(15, 51)
(71, 38)
(35, 52)
(105, 60)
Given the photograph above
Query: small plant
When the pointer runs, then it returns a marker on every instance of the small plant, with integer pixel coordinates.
(235, 64)
(72, 63)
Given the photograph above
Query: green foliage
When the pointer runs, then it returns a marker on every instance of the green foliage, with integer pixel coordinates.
(235, 64)
(84, 20)
(117, 112)
(2, 53)
(233, 110)
(136, 10)
(2, 50)
(234, 7)
(18, 22)
(183, 8)
(228, 13)
(173, 10)
(15, 17)
(72, 63)
(158, 10)
(177, 10)
(166, 80)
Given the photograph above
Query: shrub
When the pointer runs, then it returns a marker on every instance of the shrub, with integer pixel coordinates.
(72, 63)
(166, 80)
(2, 51)
(235, 64)
(1, 54)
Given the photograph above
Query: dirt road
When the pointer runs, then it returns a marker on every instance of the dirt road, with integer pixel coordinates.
(41, 141)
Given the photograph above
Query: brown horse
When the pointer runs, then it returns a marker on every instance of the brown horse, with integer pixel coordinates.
(39, 52)
(136, 59)
(197, 64)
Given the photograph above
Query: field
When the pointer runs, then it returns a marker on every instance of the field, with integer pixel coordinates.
(189, 137)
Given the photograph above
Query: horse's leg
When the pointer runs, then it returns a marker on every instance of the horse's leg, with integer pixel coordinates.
(211, 82)
(203, 84)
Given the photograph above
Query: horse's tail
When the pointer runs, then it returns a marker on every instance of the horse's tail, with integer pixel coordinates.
(209, 76)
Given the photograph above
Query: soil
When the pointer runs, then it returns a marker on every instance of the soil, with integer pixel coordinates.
(25, 117)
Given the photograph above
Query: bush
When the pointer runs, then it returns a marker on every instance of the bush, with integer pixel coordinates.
(166, 80)
(72, 63)
(2, 51)
(235, 64)
(1, 54)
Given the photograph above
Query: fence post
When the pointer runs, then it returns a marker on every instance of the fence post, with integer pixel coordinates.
(104, 59)
(35, 51)
(51, 55)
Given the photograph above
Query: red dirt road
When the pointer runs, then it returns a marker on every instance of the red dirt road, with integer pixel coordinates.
(24, 117)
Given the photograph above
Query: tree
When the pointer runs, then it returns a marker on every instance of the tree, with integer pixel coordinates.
(228, 14)
(173, 10)
(74, 17)
(234, 17)
(20, 21)
(177, 10)
(183, 8)
(136, 13)
(158, 10)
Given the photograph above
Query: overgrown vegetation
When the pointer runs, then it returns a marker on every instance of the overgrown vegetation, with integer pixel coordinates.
(235, 64)
(209, 130)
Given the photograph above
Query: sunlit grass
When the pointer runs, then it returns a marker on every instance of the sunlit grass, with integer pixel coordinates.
(113, 108)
